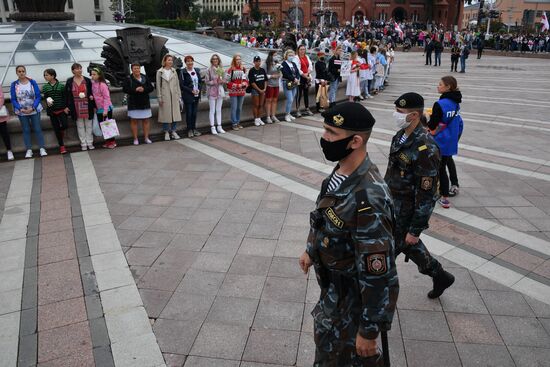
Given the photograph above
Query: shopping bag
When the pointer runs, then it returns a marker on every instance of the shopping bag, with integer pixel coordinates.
(96, 130)
(322, 97)
(109, 129)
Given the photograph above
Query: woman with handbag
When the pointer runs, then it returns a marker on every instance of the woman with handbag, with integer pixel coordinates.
(80, 103)
(446, 125)
(236, 84)
(214, 89)
(137, 86)
(4, 117)
(321, 81)
(306, 71)
(54, 93)
(291, 79)
(169, 97)
(102, 98)
(25, 98)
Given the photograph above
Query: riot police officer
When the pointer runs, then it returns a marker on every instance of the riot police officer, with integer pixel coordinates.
(412, 177)
(351, 246)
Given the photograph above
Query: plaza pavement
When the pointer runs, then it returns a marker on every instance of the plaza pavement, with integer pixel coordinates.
(185, 253)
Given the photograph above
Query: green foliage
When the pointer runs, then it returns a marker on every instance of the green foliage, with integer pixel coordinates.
(144, 9)
(186, 7)
(181, 24)
(255, 12)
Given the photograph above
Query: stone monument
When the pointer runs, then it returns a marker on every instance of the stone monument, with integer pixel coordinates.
(41, 10)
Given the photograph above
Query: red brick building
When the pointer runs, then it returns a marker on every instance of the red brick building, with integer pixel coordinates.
(440, 11)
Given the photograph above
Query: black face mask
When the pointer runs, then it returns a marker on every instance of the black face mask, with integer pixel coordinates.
(336, 150)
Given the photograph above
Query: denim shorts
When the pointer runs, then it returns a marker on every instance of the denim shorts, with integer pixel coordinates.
(254, 92)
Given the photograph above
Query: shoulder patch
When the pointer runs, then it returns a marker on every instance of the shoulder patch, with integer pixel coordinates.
(334, 218)
(426, 183)
(422, 147)
(362, 201)
(405, 158)
(376, 264)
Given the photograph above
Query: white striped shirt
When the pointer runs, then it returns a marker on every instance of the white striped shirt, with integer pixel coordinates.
(335, 181)
(403, 138)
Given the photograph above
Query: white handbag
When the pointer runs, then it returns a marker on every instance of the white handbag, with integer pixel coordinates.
(3, 111)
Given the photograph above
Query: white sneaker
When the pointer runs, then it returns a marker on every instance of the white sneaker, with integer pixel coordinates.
(308, 112)
(298, 114)
(292, 117)
(136, 142)
(289, 118)
(148, 141)
(91, 147)
(43, 152)
(268, 120)
(257, 122)
(275, 119)
(84, 147)
(28, 154)
(175, 135)
(10, 155)
(220, 130)
(213, 130)
(167, 136)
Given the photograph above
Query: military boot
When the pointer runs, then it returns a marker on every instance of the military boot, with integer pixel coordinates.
(442, 280)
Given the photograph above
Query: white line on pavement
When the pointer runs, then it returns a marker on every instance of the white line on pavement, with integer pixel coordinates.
(474, 98)
(472, 148)
(477, 264)
(13, 234)
(472, 86)
(470, 161)
(132, 340)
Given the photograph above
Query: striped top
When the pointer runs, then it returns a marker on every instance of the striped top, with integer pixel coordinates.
(403, 138)
(57, 93)
(335, 181)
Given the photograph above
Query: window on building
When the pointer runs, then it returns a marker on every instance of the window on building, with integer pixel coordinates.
(98, 18)
(539, 13)
(70, 4)
(96, 4)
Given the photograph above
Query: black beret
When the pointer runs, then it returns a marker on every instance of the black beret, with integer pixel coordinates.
(410, 100)
(349, 116)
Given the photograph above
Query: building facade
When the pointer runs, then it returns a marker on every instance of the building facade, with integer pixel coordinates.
(234, 6)
(307, 11)
(513, 13)
(83, 10)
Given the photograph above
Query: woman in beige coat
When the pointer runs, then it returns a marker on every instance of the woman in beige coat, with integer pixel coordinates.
(169, 97)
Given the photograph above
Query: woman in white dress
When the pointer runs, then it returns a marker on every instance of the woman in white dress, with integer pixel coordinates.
(353, 89)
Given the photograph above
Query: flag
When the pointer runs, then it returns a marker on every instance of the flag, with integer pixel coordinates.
(544, 21)
(399, 30)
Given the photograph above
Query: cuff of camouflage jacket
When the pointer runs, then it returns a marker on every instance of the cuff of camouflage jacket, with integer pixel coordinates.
(415, 231)
(369, 331)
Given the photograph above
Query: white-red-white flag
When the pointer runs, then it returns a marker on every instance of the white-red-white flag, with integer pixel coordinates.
(399, 30)
(544, 21)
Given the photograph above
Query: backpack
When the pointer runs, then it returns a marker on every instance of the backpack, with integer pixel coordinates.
(466, 52)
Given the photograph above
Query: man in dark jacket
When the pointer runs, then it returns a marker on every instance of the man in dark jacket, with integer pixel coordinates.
(334, 65)
(321, 76)
(428, 49)
(438, 48)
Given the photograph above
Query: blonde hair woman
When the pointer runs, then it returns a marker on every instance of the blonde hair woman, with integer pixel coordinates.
(215, 79)
(236, 84)
(169, 96)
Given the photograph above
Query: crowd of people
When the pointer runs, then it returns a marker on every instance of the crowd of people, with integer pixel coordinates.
(87, 101)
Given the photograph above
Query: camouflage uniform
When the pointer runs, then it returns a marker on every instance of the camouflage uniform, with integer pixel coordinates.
(352, 249)
(412, 177)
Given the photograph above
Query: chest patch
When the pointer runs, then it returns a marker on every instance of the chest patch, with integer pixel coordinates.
(405, 158)
(334, 218)
(427, 183)
(376, 264)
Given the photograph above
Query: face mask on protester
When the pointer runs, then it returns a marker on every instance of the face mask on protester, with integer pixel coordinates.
(400, 120)
(335, 151)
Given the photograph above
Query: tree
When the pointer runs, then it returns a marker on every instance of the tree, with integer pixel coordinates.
(255, 12)
(186, 7)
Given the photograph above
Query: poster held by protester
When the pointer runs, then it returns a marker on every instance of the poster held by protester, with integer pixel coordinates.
(345, 69)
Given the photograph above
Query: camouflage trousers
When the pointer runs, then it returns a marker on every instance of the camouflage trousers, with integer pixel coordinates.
(335, 330)
(418, 253)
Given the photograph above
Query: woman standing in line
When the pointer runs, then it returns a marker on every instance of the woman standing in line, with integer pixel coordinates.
(353, 89)
(169, 97)
(190, 84)
(80, 102)
(272, 91)
(321, 76)
(237, 83)
(104, 106)
(25, 98)
(291, 80)
(54, 93)
(214, 89)
(306, 71)
(257, 77)
(4, 128)
(446, 125)
(137, 86)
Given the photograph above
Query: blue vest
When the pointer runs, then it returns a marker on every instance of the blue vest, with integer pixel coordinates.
(447, 138)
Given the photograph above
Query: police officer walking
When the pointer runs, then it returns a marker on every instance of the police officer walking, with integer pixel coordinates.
(351, 246)
(412, 177)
